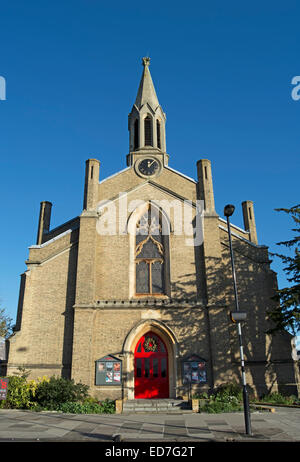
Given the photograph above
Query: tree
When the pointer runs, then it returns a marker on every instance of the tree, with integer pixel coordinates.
(287, 313)
(5, 324)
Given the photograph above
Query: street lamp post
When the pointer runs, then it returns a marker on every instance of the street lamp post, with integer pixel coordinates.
(228, 211)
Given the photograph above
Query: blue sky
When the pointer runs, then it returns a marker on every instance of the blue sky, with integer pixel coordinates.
(222, 72)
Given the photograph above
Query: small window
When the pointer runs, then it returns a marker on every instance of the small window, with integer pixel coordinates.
(148, 131)
(162, 347)
(158, 134)
(139, 367)
(147, 367)
(136, 134)
(163, 367)
(155, 367)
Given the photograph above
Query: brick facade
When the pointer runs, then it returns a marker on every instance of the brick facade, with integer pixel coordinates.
(78, 302)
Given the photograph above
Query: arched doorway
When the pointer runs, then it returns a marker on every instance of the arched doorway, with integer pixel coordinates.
(151, 376)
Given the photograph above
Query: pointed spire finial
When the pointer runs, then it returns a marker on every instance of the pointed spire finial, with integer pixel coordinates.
(146, 61)
(146, 91)
(145, 107)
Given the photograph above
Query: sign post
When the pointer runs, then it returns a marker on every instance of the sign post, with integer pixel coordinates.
(3, 387)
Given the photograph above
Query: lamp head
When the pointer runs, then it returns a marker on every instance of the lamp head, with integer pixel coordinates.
(228, 210)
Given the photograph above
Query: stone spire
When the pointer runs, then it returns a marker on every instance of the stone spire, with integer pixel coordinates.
(146, 92)
(146, 121)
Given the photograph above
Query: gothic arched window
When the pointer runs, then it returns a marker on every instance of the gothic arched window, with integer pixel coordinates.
(150, 254)
(148, 131)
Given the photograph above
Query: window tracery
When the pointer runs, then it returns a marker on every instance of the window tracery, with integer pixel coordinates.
(150, 254)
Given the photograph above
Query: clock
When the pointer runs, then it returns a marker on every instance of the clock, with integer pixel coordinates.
(148, 167)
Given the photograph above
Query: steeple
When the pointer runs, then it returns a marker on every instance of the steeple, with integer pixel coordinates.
(146, 121)
(146, 92)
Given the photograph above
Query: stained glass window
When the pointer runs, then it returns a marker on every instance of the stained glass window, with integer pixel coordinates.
(157, 270)
(149, 254)
(142, 277)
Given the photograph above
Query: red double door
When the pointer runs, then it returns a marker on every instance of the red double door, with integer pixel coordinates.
(151, 378)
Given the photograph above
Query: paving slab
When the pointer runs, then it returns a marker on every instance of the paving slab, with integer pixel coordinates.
(280, 426)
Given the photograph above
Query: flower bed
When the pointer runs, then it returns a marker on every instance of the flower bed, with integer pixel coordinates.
(53, 394)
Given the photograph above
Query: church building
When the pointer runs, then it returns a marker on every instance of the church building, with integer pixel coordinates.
(133, 296)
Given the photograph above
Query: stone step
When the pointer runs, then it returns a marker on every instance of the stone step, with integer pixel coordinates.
(175, 406)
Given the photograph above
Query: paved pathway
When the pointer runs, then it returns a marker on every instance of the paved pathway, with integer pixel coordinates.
(17, 425)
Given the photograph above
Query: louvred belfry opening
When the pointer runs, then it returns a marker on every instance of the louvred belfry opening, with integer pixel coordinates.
(148, 131)
(151, 378)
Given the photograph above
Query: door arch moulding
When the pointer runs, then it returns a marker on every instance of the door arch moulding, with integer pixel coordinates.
(131, 340)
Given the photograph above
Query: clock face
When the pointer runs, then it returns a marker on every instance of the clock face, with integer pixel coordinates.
(148, 167)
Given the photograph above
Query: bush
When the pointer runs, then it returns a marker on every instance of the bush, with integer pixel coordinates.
(51, 394)
(79, 408)
(230, 389)
(88, 407)
(20, 394)
(226, 398)
(216, 406)
(222, 402)
(108, 406)
(277, 398)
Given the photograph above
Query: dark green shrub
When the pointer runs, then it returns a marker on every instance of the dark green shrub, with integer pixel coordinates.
(80, 408)
(108, 406)
(217, 406)
(88, 407)
(230, 389)
(226, 398)
(51, 394)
